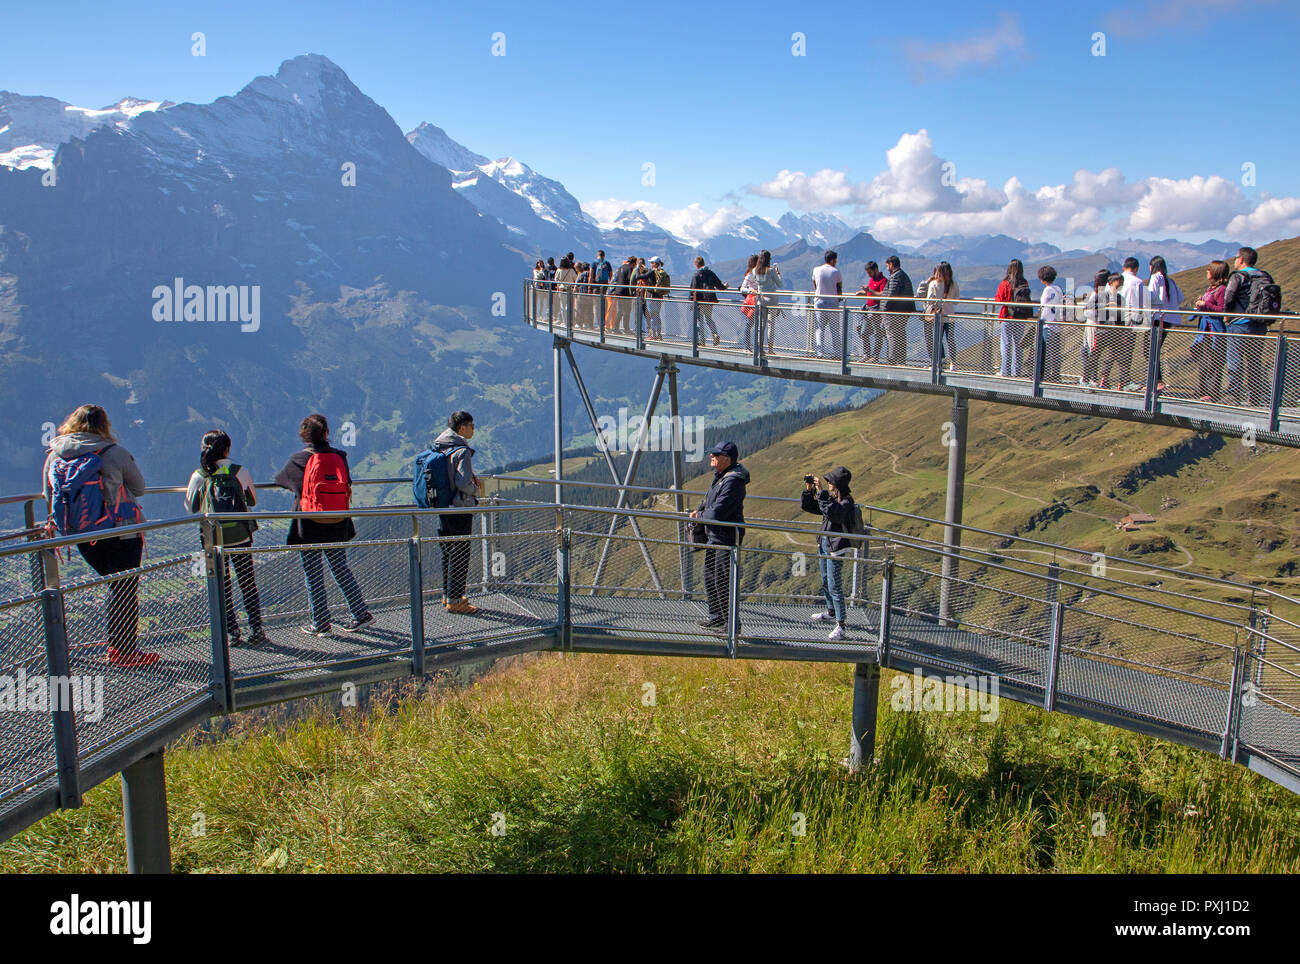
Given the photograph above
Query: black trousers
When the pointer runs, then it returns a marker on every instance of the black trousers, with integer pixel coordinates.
(242, 563)
(717, 579)
(109, 556)
(455, 554)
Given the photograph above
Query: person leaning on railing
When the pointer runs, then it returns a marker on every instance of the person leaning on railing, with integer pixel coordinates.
(899, 306)
(1208, 350)
(315, 432)
(724, 502)
(93, 459)
(872, 324)
(942, 290)
(703, 285)
(1247, 380)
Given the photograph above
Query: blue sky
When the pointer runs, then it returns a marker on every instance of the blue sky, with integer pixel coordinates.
(716, 99)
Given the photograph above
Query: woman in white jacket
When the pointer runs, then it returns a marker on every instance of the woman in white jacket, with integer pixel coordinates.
(939, 295)
(1165, 297)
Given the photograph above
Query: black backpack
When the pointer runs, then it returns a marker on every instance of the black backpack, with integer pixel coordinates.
(1265, 295)
(1022, 294)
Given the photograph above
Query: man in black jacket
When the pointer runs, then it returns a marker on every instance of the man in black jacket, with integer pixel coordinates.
(898, 306)
(622, 293)
(703, 284)
(724, 502)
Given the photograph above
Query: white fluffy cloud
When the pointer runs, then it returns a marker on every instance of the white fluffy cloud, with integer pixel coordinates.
(919, 195)
(1273, 217)
(1190, 204)
(692, 223)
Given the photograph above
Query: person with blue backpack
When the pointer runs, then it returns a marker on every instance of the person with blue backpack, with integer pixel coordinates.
(90, 484)
(219, 485)
(444, 478)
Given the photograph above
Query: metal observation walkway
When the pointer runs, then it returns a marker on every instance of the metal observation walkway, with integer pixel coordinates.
(1161, 374)
(1206, 662)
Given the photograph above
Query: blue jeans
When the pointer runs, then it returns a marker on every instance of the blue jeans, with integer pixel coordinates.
(832, 572)
(1247, 378)
(826, 332)
(1011, 333)
(316, 597)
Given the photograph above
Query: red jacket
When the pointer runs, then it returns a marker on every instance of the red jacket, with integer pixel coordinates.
(1004, 294)
(876, 284)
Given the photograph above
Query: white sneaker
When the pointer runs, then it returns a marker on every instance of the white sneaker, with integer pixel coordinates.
(837, 632)
(822, 617)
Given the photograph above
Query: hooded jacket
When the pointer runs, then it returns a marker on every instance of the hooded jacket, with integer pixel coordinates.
(461, 457)
(837, 514)
(119, 470)
(725, 502)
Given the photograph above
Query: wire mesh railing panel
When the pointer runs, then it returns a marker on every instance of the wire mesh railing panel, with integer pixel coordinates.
(781, 593)
(159, 610)
(309, 596)
(1145, 671)
(509, 586)
(26, 729)
(631, 595)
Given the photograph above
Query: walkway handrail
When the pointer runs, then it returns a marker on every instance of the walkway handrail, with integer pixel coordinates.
(858, 302)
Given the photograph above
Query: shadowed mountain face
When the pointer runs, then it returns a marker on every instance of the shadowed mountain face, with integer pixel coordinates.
(372, 290)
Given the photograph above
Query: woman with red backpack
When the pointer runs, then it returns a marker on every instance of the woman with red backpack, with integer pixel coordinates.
(320, 481)
(218, 485)
(91, 483)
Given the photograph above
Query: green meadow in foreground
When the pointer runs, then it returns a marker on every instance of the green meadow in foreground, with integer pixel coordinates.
(557, 763)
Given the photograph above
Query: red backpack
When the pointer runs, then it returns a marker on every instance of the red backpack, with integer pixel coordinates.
(326, 486)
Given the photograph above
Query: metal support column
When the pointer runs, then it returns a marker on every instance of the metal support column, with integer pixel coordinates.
(563, 588)
(58, 670)
(1054, 656)
(1153, 366)
(1232, 718)
(214, 561)
(866, 696)
(609, 462)
(34, 561)
(1279, 381)
(695, 328)
(633, 464)
(679, 479)
(733, 600)
(886, 604)
(1040, 349)
(952, 512)
(415, 572)
(557, 377)
(144, 813)
(845, 354)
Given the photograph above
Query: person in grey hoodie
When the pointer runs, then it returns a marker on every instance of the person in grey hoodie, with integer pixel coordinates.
(86, 431)
(454, 441)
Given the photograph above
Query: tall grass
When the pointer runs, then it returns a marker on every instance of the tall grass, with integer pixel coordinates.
(735, 768)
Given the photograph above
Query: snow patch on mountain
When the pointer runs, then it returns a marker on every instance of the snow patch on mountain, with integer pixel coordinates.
(32, 128)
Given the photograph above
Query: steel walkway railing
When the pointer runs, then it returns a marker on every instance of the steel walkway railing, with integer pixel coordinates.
(1167, 373)
(1208, 671)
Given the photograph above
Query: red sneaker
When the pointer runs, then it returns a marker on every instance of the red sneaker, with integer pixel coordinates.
(131, 659)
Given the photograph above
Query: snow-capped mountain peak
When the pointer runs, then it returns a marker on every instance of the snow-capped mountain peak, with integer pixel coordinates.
(32, 128)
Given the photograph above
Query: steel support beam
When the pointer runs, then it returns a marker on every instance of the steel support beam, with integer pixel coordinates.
(144, 813)
(628, 479)
(952, 511)
(866, 696)
(558, 381)
(613, 470)
(679, 480)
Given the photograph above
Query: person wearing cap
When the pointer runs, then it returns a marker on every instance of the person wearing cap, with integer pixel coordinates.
(724, 502)
(656, 291)
(837, 511)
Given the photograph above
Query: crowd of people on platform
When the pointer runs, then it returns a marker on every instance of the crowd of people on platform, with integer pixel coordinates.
(1108, 318)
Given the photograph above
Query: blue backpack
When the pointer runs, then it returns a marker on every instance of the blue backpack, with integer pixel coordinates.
(77, 504)
(431, 485)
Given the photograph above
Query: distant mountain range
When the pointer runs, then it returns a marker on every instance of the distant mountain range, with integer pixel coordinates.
(377, 284)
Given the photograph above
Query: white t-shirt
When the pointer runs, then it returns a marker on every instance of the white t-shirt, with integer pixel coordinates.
(826, 279)
(1052, 301)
